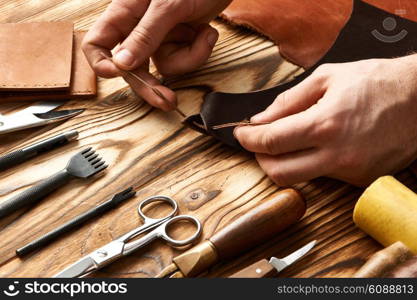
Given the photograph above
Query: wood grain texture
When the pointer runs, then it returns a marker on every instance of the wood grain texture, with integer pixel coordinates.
(155, 153)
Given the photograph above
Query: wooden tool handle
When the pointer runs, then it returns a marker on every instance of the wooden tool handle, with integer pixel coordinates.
(259, 224)
(407, 269)
(259, 269)
(380, 263)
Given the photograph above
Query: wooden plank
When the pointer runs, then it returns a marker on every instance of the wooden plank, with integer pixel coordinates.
(155, 153)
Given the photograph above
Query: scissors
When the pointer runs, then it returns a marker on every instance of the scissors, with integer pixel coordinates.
(38, 114)
(121, 246)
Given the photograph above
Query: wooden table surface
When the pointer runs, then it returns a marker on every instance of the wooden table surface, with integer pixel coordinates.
(155, 153)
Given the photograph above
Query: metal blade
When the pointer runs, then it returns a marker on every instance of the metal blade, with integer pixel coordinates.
(59, 115)
(37, 108)
(41, 107)
(82, 267)
(20, 121)
(281, 264)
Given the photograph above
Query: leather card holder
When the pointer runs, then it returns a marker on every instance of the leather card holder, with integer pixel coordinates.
(51, 68)
(35, 56)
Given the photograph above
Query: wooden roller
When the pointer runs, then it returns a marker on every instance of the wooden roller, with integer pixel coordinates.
(387, 211)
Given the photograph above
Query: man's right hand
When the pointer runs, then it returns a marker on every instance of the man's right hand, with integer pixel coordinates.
(175, 33)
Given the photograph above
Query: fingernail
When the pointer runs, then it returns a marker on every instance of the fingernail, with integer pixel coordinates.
(212, 37)
(124, 57)
(235, 131)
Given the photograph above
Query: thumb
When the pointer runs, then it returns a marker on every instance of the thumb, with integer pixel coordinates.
(145, 38)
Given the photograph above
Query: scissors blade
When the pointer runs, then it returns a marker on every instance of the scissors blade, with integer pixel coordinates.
(83, 266)
(281, 264)
(95, 260)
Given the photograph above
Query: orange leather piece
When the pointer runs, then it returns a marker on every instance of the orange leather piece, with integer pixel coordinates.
(83, 81)
(35, 56)
(305, 30)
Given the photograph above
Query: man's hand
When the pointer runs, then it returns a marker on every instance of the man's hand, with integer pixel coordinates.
(353, 122)
(175, 33)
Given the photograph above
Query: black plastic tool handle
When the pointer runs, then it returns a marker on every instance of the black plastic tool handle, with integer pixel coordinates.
(12, 159)
(21, 155)
(77, 221)
(35, 193)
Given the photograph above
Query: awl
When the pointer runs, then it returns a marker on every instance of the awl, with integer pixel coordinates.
(265, 268)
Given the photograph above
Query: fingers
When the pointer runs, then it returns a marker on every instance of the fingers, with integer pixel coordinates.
(181, 33)
(178, 58)
(147, 93)
(292, 168)
(294, 100)
(158, 20)
(292, 133)
(113, 26)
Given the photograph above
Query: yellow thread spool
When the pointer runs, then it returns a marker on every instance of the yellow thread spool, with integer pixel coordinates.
(387, 211)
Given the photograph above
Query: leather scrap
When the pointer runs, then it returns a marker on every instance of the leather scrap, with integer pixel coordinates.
(305, 30)
(356, 41)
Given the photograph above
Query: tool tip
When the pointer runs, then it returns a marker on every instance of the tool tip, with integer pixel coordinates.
(20, 252)
(71, 135)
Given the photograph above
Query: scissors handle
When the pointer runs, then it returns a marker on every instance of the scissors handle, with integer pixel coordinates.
(164, 223)
(158, 198)
(148, 222)
(174, 242)
(161, 232)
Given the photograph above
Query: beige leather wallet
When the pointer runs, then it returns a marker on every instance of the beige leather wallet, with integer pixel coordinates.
(43, 60)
